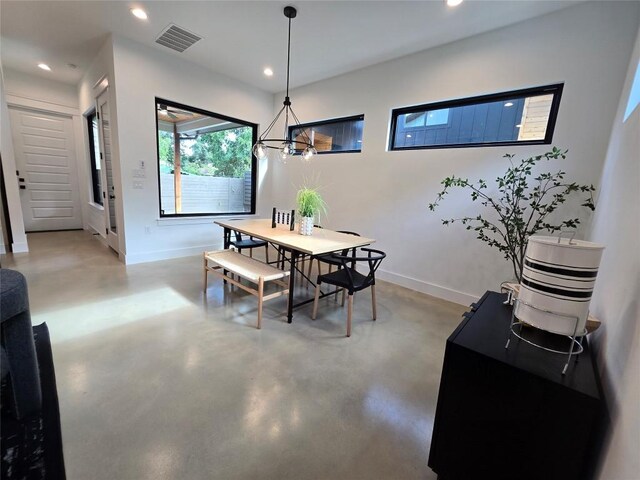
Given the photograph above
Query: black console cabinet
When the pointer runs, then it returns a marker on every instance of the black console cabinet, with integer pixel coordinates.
(511, 414)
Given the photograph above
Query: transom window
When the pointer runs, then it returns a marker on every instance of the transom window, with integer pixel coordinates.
(205, 164)
(510, 118)
(338, 135)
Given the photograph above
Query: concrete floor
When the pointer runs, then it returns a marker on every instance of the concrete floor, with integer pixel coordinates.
(157, 382)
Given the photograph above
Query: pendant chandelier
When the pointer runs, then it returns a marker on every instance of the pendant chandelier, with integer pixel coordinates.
(286, 146)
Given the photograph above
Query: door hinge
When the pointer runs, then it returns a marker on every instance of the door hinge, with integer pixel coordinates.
(17, 173)
(98, 115)
(100, 155)
(106, 231)
(104, 195)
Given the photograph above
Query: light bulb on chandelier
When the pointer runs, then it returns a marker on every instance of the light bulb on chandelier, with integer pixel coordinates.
(285, 152)
(309, 153)
(260, 150)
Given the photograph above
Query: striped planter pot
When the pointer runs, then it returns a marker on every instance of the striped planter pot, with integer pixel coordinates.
(558, 276)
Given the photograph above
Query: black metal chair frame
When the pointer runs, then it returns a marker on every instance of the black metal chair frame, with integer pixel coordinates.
(250, 244)
(348, 278)
(328, 258)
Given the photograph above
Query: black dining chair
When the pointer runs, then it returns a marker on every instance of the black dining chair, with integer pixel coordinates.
(329, 259)
(242, 243)
(348, 278)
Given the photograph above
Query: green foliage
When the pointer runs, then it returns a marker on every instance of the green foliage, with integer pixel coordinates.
(522, 210)
(165, 150)
(226, 153)
(310, 203)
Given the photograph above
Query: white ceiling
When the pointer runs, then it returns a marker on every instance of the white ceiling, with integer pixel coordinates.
(240, 38)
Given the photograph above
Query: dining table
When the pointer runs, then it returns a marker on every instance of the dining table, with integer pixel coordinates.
(283, 238)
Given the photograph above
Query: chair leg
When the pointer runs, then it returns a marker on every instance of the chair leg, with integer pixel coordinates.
(349, 310)
(344, 293)
(260, 300)
(251, 253)
(310, 267)
(266, 252)
(315, 302)
(373, 301)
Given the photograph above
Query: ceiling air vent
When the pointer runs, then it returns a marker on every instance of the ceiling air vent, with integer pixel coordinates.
(177, 38)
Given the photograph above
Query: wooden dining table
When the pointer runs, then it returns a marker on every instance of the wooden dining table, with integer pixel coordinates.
(322, 241)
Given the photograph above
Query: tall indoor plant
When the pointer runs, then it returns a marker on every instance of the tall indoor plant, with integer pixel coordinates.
(310, 205)
(521, 207)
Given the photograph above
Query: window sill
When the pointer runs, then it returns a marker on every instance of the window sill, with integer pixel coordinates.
(168, 222)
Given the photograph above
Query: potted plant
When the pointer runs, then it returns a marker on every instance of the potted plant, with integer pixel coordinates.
(310, 205)
(521, 207)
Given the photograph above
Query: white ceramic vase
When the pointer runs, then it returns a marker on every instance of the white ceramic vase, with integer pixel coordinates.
(558, 279)
(305, 227)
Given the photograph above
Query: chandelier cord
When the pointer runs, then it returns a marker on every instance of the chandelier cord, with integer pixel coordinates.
(288, 56)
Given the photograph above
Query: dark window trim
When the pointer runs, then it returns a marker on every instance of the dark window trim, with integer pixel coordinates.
(254, 160)
(556, 89)
(326, 122)
(97, 196)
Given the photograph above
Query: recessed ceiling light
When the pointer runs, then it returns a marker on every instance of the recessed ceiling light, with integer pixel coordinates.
(454, 3)
(44, 66)
(408, 136)
(268, 72)
(508, 104)
(518, 126)
(139, 13)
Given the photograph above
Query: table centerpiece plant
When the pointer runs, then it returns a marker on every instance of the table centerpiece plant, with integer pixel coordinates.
(521, 207)
(310, 206)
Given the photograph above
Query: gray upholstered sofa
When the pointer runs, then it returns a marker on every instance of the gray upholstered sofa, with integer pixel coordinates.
(18, 350)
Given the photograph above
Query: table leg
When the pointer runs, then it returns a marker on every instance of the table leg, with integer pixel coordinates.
(226, 242)
(292, 282)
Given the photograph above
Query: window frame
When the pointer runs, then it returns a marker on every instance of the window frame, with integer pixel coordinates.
(327, 122)
(555, 89)
(254, 160)
(97, 197)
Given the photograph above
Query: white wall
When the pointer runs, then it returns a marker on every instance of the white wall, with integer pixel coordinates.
(385, 195)
(615, 301)
(37, 88)
(141, 74)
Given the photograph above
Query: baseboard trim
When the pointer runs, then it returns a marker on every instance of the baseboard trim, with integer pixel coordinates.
(21, 247)
(444, 293)
(144, 257)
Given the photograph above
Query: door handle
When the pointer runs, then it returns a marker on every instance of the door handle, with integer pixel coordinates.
(21, 179)
(111, 196)
(22, 187)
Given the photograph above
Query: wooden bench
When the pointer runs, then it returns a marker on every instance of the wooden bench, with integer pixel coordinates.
(226, 262)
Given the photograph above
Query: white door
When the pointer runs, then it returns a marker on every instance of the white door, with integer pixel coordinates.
(104, 119)
(45, 153)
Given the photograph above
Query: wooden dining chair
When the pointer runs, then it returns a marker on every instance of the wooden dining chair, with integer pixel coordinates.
(348, 278)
